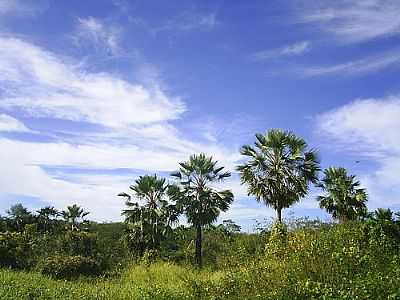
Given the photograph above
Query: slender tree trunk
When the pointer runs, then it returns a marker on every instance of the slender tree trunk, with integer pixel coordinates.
(279, 214)
(199, 261)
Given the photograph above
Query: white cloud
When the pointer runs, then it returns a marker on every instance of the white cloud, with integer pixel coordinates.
(370, 128)
(289, 50)
(19, 7)
(25, 162)
(356, 67)
(8, 123)
(135, 117)
(190, 20)
(240, 212)
(33, 181)
(373, 122)
(355, 20)
(42, 84)
(100, 35)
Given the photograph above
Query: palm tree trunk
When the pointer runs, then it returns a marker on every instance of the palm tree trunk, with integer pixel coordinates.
(199, 261)
(279, 214)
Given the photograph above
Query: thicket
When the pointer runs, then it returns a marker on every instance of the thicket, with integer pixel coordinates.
(304, 260)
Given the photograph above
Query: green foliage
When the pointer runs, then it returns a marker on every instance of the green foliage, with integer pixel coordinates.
(200, 202)
(78, 243)
(149, 224)
(343, 198)
(47, 219)
(15, 250)
(110, 249)
(19, 216)
(74, 216)
(347, 261)
(277, 240)
(279, 169)
(68, 267)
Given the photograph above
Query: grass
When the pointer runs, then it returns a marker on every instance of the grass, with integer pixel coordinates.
(157, 281)
(342, 262)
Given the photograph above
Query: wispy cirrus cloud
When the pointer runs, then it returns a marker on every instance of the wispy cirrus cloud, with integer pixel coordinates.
(289, 50)
(369, 128)
(353, 21)
(356, 67)
(189, 20)
(101, 36)
(136, 130)
(40, 83)
(10, 124)
(20, 7)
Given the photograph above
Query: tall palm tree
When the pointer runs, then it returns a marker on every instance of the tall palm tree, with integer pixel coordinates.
(279, 169)
(74, 215)
(150, 221)
(344, 199)
(199, 199)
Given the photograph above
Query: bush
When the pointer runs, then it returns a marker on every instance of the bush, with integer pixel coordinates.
(79, 243)
(68, 267)
(15, 250)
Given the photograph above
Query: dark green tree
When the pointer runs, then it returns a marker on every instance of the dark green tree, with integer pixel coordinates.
(3, 223)
(19, 216)
(199, 199)
(343, 197)
(47, 218)
(229, 227)
(279, 169)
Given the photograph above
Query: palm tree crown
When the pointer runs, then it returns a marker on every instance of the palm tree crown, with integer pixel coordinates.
(47, 217)
(343, 198)
(279, 169)
(73, 215)
(151, 220)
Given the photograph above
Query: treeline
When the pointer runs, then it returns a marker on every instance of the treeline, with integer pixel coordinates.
(278, 172)
(67, 245)
(45, 220)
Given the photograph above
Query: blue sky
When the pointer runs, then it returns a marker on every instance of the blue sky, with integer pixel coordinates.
(96, 93)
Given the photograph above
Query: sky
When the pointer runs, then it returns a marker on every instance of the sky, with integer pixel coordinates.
(95, 93)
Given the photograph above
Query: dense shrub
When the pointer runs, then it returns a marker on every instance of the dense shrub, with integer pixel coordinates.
(78, 243)
(67, 267)
(15, 250)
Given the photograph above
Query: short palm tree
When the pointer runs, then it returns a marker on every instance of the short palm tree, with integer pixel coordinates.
(74, 215)
(20, 216)
(343, 197)
(383, 214)
(151, 220)
(200, 200)
(279, 169)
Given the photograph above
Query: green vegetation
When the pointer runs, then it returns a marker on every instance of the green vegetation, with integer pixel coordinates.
(343, 198)
(279, 169)
(149, 224)
(60, 255)
(200, 202)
